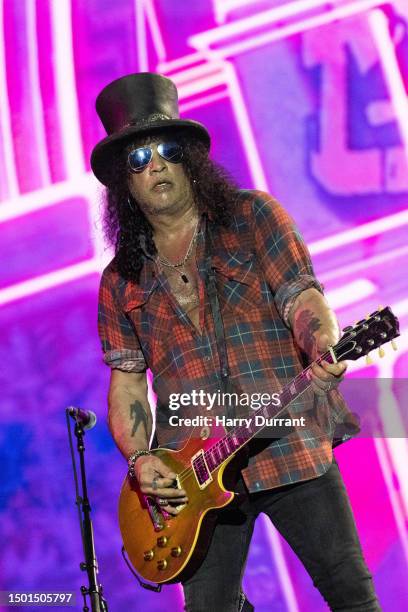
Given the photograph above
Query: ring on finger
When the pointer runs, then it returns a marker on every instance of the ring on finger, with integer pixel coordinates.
(155, 486)
(161, 501)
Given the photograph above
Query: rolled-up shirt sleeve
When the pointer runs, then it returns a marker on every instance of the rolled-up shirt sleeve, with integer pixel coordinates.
(120, 344)
(282, 253)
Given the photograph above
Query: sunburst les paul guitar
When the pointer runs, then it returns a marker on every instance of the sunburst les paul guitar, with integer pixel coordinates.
(164, 548)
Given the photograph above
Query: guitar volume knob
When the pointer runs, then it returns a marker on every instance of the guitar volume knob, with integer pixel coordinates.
(162, 564)
(176, 551)
(162, 541)
(148, 555)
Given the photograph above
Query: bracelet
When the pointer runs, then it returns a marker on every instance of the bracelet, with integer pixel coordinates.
(132, 460)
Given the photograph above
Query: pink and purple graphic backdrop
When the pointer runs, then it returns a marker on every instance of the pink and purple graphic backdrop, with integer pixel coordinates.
(306, 99)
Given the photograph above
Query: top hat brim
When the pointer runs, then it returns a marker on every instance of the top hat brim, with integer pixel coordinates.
(105, 151)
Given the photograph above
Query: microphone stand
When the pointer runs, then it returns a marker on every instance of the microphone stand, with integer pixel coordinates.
(94, 590)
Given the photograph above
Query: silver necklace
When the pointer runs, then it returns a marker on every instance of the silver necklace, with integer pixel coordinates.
(165, 262)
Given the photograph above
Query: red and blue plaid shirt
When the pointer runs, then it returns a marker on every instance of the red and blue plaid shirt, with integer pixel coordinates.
(261, 265)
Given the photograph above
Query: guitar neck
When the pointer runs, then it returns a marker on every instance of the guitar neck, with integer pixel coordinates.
(239, 436)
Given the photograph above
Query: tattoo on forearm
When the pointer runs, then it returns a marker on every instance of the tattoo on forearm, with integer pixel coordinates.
(137, 416)
(306, 324)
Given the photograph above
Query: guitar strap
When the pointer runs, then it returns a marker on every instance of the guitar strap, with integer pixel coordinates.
(211, 286)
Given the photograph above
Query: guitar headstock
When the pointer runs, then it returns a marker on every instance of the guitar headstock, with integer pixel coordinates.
(368, 334)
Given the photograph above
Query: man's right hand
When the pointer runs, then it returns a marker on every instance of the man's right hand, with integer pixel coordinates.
(157, 480)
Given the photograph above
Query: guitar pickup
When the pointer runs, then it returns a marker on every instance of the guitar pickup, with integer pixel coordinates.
(177, 485)
(201, 470)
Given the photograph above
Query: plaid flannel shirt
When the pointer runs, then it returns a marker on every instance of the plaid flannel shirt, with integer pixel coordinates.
(261, 265)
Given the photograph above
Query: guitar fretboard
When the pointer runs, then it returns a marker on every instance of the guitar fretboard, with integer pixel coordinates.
(238, 436)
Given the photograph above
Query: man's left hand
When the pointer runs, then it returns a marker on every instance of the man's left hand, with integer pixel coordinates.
(326, 376)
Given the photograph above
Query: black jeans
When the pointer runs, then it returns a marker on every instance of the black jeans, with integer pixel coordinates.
(315, 518)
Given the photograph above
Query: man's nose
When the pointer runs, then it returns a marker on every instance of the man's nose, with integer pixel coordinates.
(157, 163)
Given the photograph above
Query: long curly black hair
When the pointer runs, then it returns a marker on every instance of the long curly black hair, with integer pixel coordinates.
(124, 223)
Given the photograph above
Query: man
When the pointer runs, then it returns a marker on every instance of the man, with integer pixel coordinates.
(178, 224)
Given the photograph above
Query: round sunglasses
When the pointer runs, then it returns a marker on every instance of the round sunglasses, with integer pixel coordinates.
(140, 158)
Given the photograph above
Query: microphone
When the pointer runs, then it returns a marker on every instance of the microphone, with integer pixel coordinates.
(87, 418)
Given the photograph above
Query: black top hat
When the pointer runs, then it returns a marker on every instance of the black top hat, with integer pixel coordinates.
(135, 104)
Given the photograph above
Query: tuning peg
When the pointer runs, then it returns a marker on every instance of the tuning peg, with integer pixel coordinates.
(381, 352)
(369, 361)
(394, 345)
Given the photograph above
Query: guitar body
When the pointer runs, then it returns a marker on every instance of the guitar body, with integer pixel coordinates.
(172, 550)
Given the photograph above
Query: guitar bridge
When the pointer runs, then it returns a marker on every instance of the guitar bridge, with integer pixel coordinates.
(201, 470)
(155, 515)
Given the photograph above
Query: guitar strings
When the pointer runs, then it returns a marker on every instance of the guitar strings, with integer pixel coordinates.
(189, 471)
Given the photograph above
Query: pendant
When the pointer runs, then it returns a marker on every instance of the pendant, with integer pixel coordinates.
(184, 278)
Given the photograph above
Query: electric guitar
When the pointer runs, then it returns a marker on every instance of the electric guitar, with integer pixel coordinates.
(164, 548)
